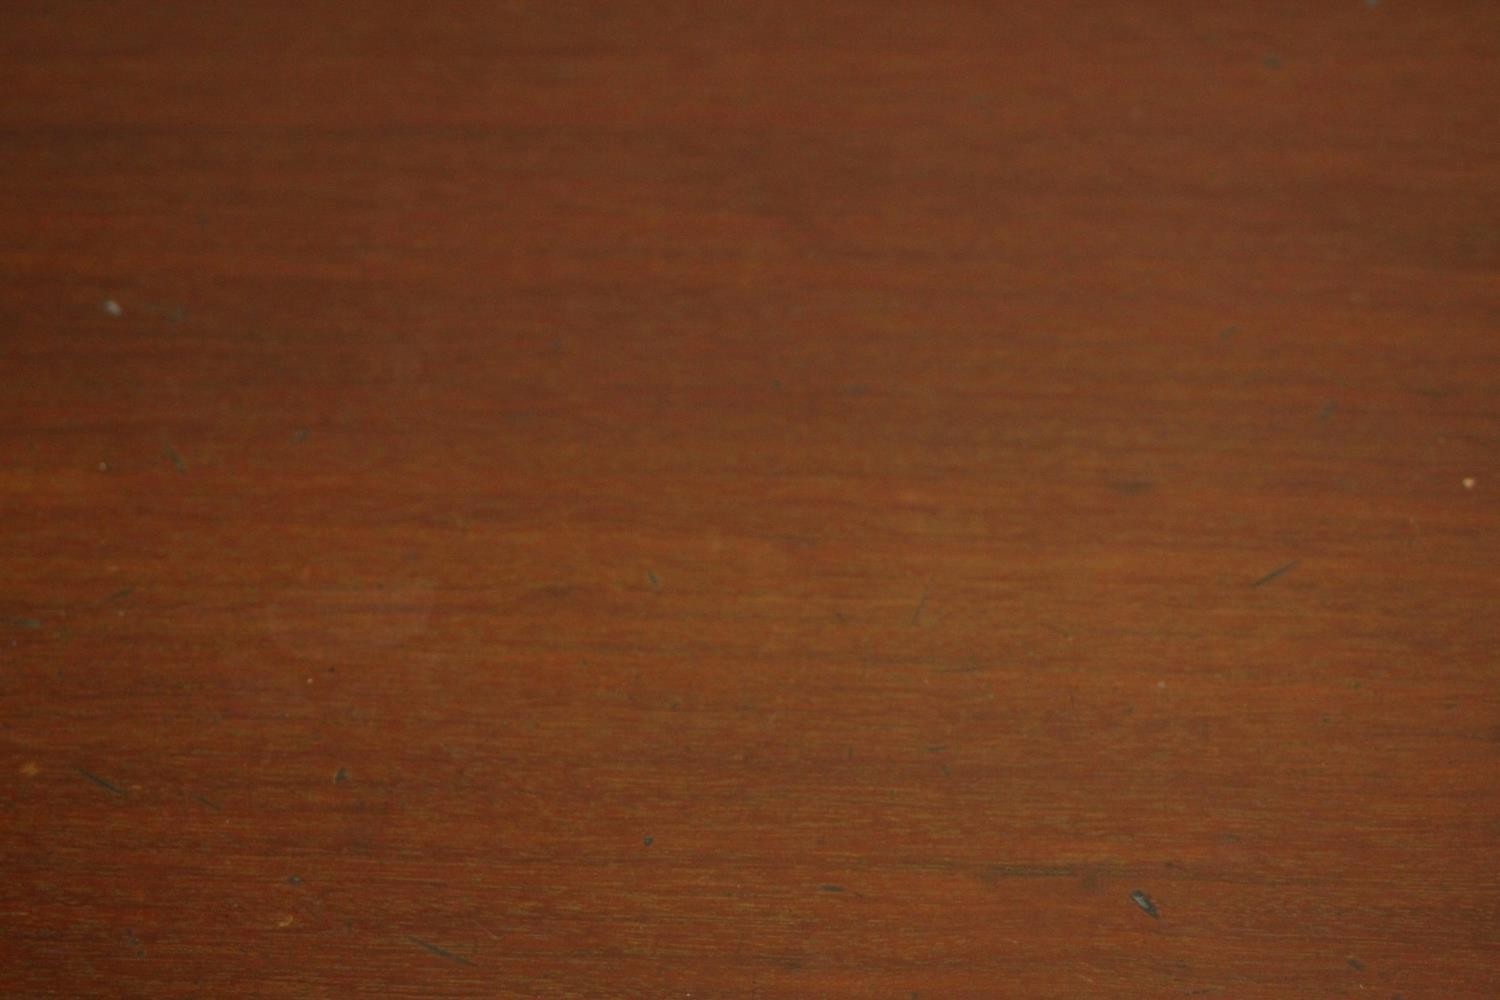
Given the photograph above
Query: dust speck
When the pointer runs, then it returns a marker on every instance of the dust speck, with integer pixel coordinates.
(113, 308)
(30, 769)
(1469, 482)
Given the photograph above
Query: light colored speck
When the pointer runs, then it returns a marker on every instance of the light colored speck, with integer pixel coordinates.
(103, 466)
(1161, 685)
(1469, 482)
(113, 308)
(30, 769)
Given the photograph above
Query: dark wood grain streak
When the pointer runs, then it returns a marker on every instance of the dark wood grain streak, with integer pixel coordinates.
(750, 499)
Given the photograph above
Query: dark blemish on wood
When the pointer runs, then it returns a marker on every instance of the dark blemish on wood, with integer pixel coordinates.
(1278, 571)
(106, 785)
(1143, 901)
(205, 802)
(648, 841)
(26, 623)
(134, 943)
(440, 952)
(299, 435)
(1327, 410)
(830, 887)
(340, 776)
(1132, 487)
(857, 389)
(1271, 62)
(175, 458)
(937, 748)
(294, 880)
(1356, 965)
(1229, 331)
(122, 593)
(916, 615)
(652, 579)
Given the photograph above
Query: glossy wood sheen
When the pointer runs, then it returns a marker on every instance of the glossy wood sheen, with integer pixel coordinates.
(750, 499)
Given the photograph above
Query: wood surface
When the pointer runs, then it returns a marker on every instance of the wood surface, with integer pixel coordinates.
(750, 499)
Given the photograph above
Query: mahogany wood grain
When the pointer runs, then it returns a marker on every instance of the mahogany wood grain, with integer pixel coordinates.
(750, 499)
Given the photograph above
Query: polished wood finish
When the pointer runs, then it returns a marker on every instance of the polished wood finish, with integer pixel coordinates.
(750, 499)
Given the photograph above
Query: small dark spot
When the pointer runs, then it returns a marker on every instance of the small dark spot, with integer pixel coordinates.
(175, 459)
(1271, 62)
(857, 389)
(648, 841)
(937, 748)
(204, 802)
(134, 944)
(106, 785)
(122, 593)
(1327, 410)
(652, 579)
(294, 880)
(26, 623)
(299, 435)
(1356, 965)
(440, 952)
(830, 887)
(340, 776)
(1278, 571)
(1143, 901)
(1228, 331)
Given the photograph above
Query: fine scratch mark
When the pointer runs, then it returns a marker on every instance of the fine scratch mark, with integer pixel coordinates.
(830, 887)
(439, 952)
(1275, 573)
(107, 786)
(204, 802)
(175, 458)
(916, 615)
(1142, 900)
(962, 668)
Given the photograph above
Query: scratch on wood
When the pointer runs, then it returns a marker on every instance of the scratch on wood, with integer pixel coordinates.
(916, 615)
(440, 952)
(175, 458)
(1278, 571)
(107, 786)
(1142, 900)
(204, 802)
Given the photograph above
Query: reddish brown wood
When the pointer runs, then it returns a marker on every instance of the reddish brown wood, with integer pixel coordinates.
(750, 499)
